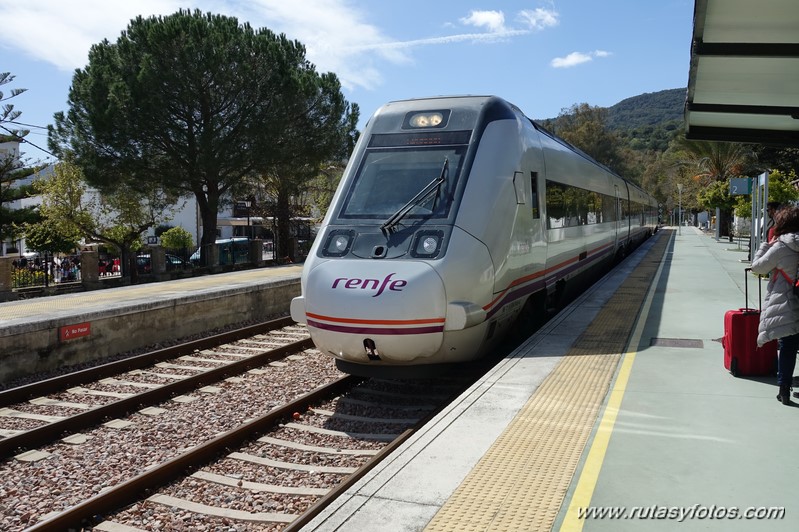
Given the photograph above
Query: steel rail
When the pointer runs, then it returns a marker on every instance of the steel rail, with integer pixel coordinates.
(55, 384)
(339, 489)
(86, 513)
(48, 433)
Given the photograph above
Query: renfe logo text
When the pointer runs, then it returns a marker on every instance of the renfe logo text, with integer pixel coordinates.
(370, 284)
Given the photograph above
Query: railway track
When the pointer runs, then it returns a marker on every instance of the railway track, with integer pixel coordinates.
(247, 428)
(119, 388)
(326, 448)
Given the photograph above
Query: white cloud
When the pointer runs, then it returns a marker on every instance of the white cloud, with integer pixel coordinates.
(539, 18)
(61, 33)
(494, 21)
(577, 58)
(447, 39)
(336, 37)
(336, 34)
(329, 29)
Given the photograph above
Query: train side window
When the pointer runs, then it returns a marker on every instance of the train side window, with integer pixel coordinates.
(570, 206)
(608, 209)
(534, 195)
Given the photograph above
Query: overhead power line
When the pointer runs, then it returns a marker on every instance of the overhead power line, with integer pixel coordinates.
(24, 140)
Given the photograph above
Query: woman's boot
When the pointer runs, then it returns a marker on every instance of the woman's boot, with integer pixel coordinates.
(785, 395)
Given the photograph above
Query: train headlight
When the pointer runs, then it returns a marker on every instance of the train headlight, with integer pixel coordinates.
(426, 119)
(427, 244)
(338, 243)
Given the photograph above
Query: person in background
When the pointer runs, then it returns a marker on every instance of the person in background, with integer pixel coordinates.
(771, 209)
(779, 318)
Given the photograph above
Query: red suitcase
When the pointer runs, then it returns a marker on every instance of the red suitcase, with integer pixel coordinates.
(742, 356)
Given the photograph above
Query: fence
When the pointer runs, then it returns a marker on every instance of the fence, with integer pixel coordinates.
(174, 260)
(44, 270)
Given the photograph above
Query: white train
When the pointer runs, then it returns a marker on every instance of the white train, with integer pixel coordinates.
(456, 217)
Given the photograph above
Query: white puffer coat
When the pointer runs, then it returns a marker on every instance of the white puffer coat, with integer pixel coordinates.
(780, 315)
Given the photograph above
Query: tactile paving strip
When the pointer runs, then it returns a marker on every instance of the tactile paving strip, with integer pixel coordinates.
(520, 483)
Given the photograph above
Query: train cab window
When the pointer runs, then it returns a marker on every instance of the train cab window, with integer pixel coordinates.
(534, 195)
(518, 185)
(388, 178)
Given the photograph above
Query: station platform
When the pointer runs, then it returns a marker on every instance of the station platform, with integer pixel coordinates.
(617, 415)
(41, 334)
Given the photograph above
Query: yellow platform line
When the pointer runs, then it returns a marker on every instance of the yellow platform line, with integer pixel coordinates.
(586, 483)
(521, 481)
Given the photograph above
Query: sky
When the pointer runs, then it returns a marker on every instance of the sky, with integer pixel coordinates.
(542, 55)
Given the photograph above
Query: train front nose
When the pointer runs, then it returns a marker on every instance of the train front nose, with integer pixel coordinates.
(375, 311)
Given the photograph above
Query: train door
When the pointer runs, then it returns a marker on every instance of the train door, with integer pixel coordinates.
(618, 216)
(535, 208)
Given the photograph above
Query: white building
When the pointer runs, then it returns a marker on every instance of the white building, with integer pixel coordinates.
(186, 216)
(11, 149)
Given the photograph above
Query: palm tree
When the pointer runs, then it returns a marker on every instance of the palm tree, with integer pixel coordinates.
(715, 162)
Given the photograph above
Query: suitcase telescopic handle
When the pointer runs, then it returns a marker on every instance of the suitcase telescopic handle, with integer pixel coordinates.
(746, 290)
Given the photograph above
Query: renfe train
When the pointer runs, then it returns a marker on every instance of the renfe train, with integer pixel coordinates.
(455, 218)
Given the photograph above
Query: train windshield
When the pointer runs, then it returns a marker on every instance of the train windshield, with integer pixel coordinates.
(389, 178)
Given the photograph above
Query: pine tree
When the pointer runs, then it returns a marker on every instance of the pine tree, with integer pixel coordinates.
(12, 169)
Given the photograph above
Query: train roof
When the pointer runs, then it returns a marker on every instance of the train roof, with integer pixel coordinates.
(496, 106)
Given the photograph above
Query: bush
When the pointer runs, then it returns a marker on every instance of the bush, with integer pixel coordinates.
(176, 238)
(24, 277)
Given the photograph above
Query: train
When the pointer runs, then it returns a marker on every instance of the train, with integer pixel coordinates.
(457, 219)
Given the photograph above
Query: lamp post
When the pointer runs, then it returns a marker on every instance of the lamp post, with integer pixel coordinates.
(248, 204)
(679, 218)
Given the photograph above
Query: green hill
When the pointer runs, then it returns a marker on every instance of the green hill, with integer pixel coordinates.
(649, 109)
(648, 121)
(644, 122)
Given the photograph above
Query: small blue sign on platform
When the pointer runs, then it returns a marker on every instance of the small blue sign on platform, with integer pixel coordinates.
(740, 186)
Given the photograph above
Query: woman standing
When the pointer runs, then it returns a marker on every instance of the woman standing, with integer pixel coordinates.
(780, 315)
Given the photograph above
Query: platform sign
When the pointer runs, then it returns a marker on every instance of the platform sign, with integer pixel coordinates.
(740, 186)
(71, 332)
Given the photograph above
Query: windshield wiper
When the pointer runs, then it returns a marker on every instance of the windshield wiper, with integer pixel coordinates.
(433, 186)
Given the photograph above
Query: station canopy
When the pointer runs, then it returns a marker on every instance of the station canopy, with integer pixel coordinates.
(743, 83)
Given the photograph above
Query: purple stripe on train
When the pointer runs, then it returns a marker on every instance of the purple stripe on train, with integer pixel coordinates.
(375, 330)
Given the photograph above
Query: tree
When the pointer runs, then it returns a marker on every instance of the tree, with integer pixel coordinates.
(784, 159)
(779, 189)
(197, 104)
(12, 169)
(585, 127)
(663, 177)
(12, 220)
(712, 165)
(117, 218)
(177, 238)
(7, 112)
(287, 184)
(322, 188)
(48, 236)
